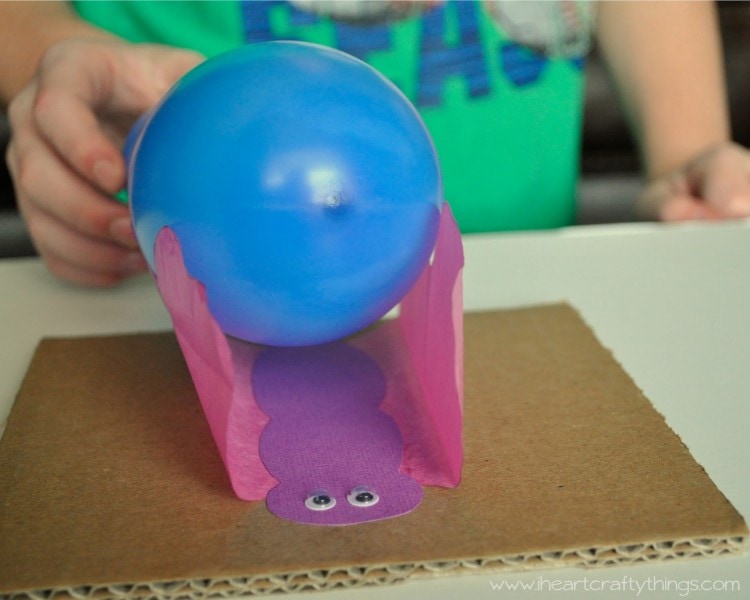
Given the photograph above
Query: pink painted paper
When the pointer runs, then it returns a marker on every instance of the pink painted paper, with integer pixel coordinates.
(431, 322)
(228, 402)
(420, 355)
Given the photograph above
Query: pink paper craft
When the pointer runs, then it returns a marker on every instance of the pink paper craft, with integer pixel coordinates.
(234, 417)
(420, 355)
(431, 320)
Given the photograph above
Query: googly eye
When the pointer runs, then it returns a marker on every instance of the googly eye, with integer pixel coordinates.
(362, 496)
(320, 500)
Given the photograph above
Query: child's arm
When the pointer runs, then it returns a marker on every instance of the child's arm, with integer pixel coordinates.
(665, 59)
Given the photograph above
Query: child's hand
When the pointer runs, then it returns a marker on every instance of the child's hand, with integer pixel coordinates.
(68, 126)
(714, 185)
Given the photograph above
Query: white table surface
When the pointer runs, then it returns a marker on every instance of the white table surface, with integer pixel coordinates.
(671, 302)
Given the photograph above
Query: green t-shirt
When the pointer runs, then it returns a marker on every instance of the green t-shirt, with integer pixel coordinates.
(505, 120)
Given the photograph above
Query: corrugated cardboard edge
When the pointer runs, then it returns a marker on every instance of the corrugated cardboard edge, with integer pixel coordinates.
(636, 551)
(354, 577)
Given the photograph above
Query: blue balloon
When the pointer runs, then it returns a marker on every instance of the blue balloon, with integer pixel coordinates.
(302, 185)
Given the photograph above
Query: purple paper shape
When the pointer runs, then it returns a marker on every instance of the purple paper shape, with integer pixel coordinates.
(419, 355)
(327, 435)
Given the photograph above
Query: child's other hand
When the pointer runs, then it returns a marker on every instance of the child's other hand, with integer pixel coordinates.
(714, 185)
(68, 126)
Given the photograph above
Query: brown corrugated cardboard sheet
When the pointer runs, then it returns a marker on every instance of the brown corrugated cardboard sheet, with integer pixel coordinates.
(110, 483)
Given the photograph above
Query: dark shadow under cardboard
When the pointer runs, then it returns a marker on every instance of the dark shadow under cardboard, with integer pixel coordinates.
(110, 480)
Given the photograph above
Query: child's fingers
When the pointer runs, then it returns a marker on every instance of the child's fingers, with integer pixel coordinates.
(687, 208)
(722, 179)
(46, 183)
(70, 87)
(716, 185)
(86, 87)
(70, 251)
